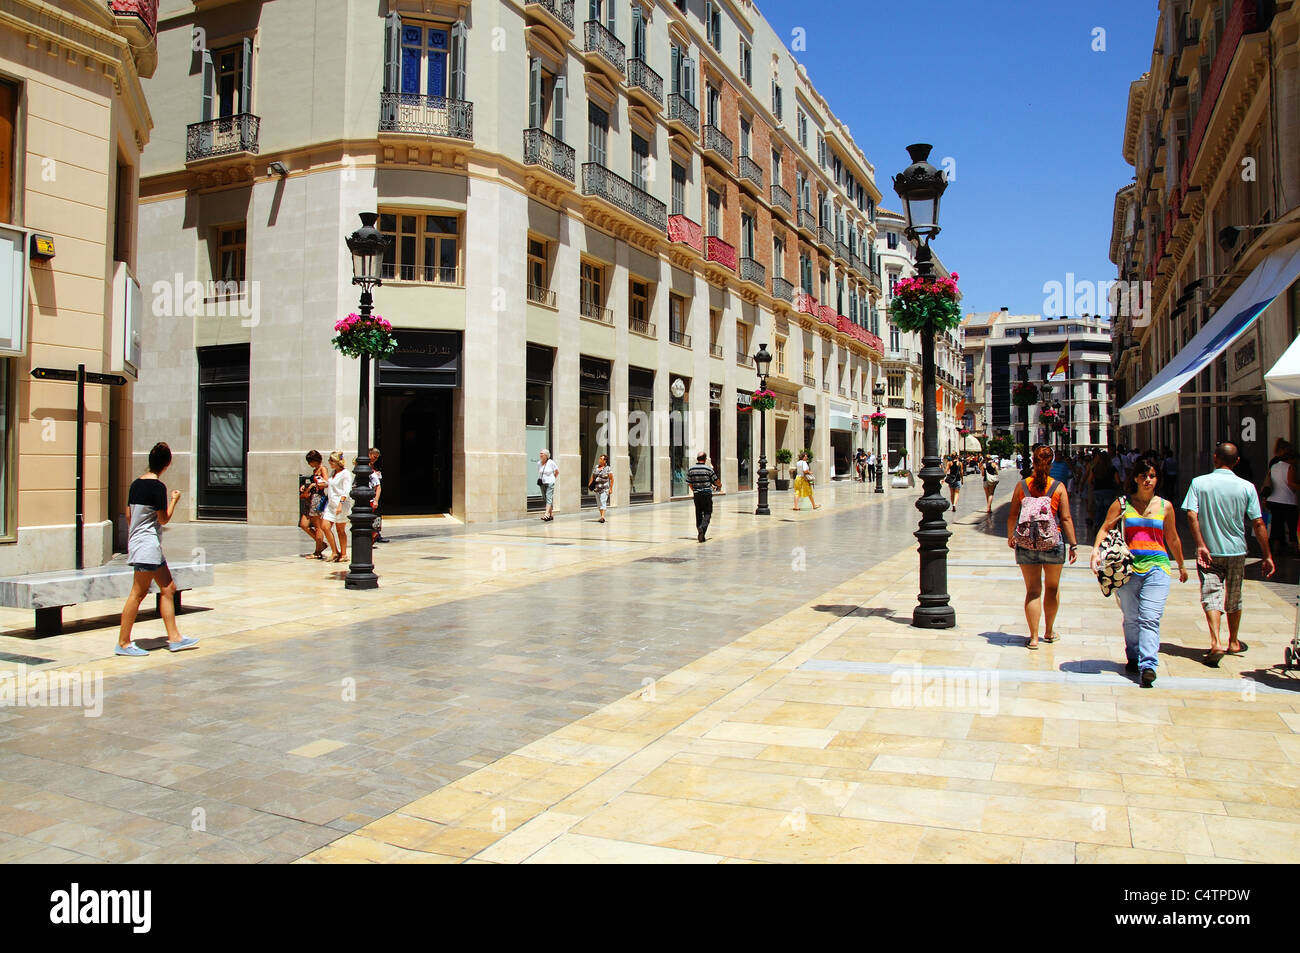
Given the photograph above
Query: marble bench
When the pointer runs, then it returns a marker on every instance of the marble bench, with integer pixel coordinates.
(48, 592)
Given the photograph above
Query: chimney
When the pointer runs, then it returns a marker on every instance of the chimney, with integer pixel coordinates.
(1005, 308)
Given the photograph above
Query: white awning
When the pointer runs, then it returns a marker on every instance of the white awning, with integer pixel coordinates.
(1160, 397)
(1283, 381)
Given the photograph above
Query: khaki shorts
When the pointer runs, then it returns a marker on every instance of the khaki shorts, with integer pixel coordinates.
(1221, 583)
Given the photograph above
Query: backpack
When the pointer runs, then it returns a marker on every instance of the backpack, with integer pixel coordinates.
(1037, 527)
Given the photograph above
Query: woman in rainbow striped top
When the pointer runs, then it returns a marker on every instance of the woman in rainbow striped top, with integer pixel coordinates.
(1152, 537)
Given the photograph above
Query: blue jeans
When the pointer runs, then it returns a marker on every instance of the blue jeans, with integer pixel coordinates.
(1142, 599)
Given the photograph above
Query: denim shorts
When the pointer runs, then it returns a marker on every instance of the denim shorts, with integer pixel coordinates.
(1040, 557)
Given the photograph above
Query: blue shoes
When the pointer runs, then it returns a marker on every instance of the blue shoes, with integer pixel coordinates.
(131, 649)
(182, 645)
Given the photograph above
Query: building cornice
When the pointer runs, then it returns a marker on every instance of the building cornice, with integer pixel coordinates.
(99, 49)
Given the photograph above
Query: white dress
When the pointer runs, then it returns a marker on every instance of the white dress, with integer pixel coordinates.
(339, 504)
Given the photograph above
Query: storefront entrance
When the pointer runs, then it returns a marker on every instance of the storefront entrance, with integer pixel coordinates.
(414, 422)
(222, 476)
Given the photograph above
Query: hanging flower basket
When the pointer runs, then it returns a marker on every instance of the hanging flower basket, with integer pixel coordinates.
(369, 336)
(1053, 420)
(1024, 393)
(877, 420)
(929, 306)
(763, 400)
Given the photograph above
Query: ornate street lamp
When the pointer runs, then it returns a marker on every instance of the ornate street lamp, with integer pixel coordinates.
(1024, 354)
(762, 360)
(879, 392)
(367, 246)
(920, 186)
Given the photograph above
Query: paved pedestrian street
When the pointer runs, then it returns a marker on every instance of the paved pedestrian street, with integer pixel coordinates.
(578, 692)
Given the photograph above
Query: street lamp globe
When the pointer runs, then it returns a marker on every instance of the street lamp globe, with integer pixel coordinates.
(1024, 351)
(762, 360)
(367, 245)
(921, 186)
(878, 391)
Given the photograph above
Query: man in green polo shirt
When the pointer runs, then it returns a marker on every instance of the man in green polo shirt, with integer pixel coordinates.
(1218, 506)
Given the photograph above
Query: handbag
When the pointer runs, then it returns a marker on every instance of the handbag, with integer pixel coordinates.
(540, 485)
(1116, 561)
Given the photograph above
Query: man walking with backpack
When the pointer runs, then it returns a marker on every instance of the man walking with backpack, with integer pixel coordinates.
(1039, 527)
(703, 479)
(1218, 506)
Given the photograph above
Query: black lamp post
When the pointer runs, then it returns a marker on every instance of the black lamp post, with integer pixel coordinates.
(1024, 354)
(879, 392)
(761, 362)
(920, 186)
(367, 246)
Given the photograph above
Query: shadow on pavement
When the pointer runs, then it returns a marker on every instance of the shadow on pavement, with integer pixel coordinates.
(1275, 677)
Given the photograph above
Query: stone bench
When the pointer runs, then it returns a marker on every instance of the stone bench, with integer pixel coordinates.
(48, 592)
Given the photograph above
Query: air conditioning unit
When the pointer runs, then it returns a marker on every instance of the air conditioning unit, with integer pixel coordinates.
(124, 358)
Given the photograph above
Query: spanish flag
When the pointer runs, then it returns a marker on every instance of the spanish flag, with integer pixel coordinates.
(1062, 369)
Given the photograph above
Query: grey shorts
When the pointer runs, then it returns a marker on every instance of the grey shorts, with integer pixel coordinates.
(1040, 557)
(1221, 583)
(548, 492)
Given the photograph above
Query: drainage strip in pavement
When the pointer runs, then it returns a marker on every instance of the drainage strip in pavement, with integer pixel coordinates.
(1234, 686)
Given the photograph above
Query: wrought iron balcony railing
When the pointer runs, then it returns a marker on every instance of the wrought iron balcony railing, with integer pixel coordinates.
(842, 251)
(751, 170)
(680, 338)
(226, 136)
(782, 289)
(842, 391)
(542, 296)
(745, 360)
(643, 77)
(715, 350)
(640, 326)
(562, 10)
(592, 311)
(541, 148)
(679, 110)
(429, 274)
(715, 139)
(426, 115)
(715, 249)
(809, 380)
(604, 184)
(751, 270)
(825, 236)
(806, 220)
(600, 40)
(781, 199)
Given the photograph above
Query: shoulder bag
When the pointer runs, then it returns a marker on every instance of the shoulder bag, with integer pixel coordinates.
(1116, 560)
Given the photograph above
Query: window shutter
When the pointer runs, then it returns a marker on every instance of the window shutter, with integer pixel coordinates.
(593, 10)
(209, 82)
(638, 31)
(246, 77)
(458, 60)
(675, 56)
(688, 79)
(393, 53)
(534, 93)
(557, 108)
(609, 9)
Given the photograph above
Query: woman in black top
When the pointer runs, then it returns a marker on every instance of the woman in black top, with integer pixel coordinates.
(151, 508)
(953, 479)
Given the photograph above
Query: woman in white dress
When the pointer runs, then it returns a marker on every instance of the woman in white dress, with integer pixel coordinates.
(337, 507)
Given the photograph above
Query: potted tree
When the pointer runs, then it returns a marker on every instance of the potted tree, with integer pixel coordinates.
(902, 477)
(783, 458)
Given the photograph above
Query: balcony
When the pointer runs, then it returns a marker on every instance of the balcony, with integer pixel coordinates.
(903, 356)
(751, 173)
(825, 237)
(605, 48)
(856, 263)
(807, 223)
(645, 83)
(809, 380)
(227, 136)
(543, 149)
(601, 183)
(640, 326)
(680, 338)
(842, 391)
(559, 12)
(896, 402)
(751, 270)
(418, 115)
(683, 231)
(682, 115)
(717, 144)
(543, 296)
(826, 315)
(716, 250)
(715, 350)
(744, 360)
(805, 303)
(781, 200)
(426, 274)
(592, 311)
(842, 252)
(782, 289)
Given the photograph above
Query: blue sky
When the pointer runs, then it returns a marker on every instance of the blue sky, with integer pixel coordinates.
(1012, 91)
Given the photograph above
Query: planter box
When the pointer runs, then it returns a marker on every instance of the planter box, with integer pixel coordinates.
(900, 481)
(782, 484)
